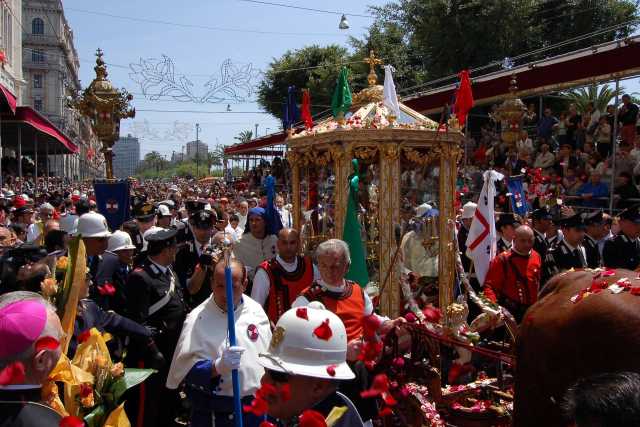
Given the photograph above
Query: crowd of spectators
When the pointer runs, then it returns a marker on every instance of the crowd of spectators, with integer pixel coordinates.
(566, 155)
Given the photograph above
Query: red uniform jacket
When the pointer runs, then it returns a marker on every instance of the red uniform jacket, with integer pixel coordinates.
(285, 287)
(514, 277)
(347, 305)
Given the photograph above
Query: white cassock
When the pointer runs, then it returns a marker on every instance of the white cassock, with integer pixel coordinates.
(204, 336)
(416, 258)
(251, 251)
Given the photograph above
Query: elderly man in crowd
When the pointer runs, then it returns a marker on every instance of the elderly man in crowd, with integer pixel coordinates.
(349, 301)
(203, 358)
(26, 318)
(35, 231)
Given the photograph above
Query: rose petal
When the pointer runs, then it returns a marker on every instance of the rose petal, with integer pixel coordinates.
(385, 412)
(46, 343)
(411, 318)
(71, 421)
(301, 312)
(370, 324)
(84, 336)
(323, 331)
(85, 389)
(608, 273)
(331, 369)
(13, 373)
(258, 407)
(285, 392)
(311, 418)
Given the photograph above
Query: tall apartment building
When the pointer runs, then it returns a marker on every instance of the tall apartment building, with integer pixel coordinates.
(126, 156)
(197, 148)
(50, 69)
(11, 46)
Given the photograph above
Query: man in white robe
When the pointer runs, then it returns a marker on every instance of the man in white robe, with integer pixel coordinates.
(204, 359)
(256, 244)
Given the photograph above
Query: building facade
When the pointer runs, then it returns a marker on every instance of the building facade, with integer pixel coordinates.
(197, 149)
(50, 69)
(126, 156)
(11, 46)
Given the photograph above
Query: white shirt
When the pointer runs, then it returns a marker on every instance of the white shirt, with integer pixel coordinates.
(204, 337)
(33, 232)
(285, 217)
(262, 284)
(235, 233)
(243, 221)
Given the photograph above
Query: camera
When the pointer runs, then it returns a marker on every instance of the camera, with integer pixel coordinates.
(209, 256)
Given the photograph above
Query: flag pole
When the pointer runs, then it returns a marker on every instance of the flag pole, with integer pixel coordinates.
(237, 404)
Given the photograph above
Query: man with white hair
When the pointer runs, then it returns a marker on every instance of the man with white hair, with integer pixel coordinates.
(350, 303)
(30, 333)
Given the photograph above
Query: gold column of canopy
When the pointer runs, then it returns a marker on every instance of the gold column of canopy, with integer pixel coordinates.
(384, 147)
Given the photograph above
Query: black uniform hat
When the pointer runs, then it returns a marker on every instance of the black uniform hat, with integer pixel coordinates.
(194, 206)
(593, 218)
(542, 213)
(506, 219)
(144, 211)
(631, 214)
(203, 219)
(573, 221)
(161, 238)
(23, 210)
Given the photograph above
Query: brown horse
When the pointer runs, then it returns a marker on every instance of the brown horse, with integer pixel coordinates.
(560, 341)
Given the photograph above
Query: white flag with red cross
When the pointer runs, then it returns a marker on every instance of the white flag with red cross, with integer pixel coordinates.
(481, 242)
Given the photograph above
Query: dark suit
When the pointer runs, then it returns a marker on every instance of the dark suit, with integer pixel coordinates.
(112, 271)
(540, 244)
(561, 258)
(463, 233)
(621, 252)
(186, 261)
(594, 260)
(147, 286)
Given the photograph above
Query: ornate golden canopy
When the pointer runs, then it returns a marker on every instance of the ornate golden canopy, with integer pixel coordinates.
(387, 148)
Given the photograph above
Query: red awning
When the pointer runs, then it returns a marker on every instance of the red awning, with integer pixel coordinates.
(8, 98)
(255, 144)
(39, 122)
(601, 63)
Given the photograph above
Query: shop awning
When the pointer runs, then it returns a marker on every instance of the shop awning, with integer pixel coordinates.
(252, 146)
(32, 125)
(9, 101)
(595, 64)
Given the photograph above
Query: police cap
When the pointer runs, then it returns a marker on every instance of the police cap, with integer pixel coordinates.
(593, 218)
(158, 237)
(203, 219)
(144, 211)
(506, 219)
(542, 213)
(631, 214)
(194, 206)
(573, 221)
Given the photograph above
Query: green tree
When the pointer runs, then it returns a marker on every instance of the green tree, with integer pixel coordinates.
(312, 67)
(244, 136)
(601, 97)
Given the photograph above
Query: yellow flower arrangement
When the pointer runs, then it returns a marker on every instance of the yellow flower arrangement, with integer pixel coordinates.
(62, 263)
(49, 287)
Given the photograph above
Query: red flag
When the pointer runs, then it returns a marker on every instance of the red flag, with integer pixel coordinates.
(306, 109)
(464, 98)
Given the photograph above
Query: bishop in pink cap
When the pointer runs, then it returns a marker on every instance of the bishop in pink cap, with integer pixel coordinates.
(21, 324)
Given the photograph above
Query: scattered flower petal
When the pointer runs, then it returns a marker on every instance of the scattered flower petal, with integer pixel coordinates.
(331, 369)
(13, 373)
(71, 421)
(323, 331)
(46, 343)
(301, 312)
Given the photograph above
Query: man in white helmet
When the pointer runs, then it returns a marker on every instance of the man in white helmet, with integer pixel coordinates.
(312, 364)
(93, 229)
(114, 269)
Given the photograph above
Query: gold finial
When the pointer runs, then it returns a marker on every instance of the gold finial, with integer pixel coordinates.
(100, 68)
(372, 78)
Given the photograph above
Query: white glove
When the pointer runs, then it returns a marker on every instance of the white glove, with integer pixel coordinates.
(229, 360)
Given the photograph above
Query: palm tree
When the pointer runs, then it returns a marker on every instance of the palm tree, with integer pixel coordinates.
(244, 136)
(600, 98)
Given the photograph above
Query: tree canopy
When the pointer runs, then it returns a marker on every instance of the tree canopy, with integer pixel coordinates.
(430, 39)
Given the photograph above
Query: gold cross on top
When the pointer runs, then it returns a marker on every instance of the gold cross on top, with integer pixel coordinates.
(372, 61)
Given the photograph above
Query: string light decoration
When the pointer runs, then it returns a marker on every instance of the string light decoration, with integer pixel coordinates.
(157, 78)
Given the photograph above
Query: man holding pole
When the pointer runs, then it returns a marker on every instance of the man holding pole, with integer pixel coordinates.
(205, 357)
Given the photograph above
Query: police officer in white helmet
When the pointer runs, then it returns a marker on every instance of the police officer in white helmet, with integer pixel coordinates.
(312, 364)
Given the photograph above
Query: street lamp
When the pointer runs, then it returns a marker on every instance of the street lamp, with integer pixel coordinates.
(105, 106)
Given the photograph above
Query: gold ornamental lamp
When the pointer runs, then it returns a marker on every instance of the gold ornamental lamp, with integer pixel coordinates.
(105, 106)
(511, 114)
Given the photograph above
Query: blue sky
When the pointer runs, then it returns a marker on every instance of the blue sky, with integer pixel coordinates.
(199, 52)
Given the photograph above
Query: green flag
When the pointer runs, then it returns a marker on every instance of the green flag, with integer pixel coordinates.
(341, 100)
(352, 234)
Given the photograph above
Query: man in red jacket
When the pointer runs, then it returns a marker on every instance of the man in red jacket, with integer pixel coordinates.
(514, 275)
